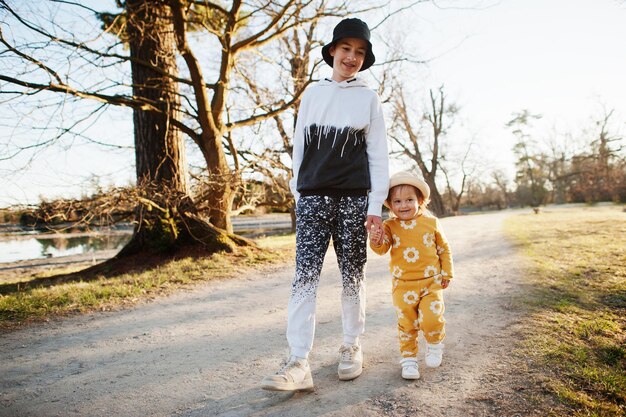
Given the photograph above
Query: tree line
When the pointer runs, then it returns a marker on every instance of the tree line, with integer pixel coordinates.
(559, 168)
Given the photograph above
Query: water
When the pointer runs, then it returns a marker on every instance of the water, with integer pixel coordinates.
(17, 244)
(42, 246)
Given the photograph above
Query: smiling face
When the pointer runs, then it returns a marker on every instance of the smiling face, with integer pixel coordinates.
(348, 56)
(404, 201)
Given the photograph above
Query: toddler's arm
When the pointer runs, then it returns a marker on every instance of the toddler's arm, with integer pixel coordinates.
(445, 254)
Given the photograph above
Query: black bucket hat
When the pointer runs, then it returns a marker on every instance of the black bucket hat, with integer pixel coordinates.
(351, 28)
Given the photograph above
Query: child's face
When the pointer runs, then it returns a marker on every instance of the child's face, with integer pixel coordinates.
(404, 202)
(348, 56)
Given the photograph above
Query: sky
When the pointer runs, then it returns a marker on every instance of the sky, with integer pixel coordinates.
(563, 59)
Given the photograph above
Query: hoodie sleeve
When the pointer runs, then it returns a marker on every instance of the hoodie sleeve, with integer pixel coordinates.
(378, 159)
(298, 146)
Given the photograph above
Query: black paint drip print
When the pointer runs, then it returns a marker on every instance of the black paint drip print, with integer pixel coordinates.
(340, 136)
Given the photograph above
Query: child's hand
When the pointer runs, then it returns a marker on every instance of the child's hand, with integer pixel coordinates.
(376, 235)
(445, 283)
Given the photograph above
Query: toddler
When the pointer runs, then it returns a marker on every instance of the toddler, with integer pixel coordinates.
(421, 268)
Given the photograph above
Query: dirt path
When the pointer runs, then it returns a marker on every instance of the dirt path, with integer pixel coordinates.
(204, 352)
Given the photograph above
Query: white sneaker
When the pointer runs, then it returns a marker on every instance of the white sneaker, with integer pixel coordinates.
(434, 354)
(295, 375)
(409, 368)
(350, 362)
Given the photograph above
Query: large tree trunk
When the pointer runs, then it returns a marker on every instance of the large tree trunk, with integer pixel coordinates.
(167, 218)
(221, 180)
(159, 146)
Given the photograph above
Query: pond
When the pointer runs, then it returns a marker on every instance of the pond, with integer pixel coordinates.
(43, 246)
(18, 244)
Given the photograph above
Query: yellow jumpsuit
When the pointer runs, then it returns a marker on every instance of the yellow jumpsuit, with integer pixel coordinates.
(420, 258)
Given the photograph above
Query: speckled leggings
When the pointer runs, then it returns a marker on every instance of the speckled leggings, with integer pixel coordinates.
(318, 219)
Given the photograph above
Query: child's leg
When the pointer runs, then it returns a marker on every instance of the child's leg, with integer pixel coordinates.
(313, 217)
(405, 295)
(431, 309)
(350, 244)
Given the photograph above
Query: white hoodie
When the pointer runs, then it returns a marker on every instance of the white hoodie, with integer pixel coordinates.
(340, 143)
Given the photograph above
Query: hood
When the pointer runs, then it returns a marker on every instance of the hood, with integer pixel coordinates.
(351, 83)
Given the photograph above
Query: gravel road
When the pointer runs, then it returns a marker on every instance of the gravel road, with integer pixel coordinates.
(203, 352)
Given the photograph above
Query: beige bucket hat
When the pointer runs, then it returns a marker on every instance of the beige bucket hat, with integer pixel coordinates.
(409, 178)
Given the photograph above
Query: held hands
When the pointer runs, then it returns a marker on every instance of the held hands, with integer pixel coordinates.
(374, 227)
(376, 236)
(445, 283)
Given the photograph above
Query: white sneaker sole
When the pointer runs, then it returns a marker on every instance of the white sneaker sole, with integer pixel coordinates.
(306, 385)
(410, 376)
(350, 376)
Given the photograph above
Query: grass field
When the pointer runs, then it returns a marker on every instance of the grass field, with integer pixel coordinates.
(576, 331)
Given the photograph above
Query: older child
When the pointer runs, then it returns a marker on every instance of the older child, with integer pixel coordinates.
(340, 180)
(421, 267)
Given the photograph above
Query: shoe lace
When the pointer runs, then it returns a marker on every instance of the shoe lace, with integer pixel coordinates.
(347, 352)
(288, 365)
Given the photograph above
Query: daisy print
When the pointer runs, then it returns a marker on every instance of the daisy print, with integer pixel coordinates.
(420, 318)
(411, 255)
(408, 225)
(429, 239)
(434, 333)
(430, 271)
(436, 307)
(423, 292)
(397, 272)
(407, 354)
(440, 250)
(410, 297)
(437, 279)
(399, 312)
(396, 240)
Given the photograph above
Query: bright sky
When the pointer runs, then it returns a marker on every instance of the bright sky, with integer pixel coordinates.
(560, 58)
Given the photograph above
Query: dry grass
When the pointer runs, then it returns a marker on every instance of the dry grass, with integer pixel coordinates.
(576, 331)
(31, 303)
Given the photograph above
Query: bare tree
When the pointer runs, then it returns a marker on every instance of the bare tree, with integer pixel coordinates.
(607, 147)
(531, 173)
(597, 173)
(502, 184)
(198, 109)
(467, 169)
(271, 161)
(424, 142)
